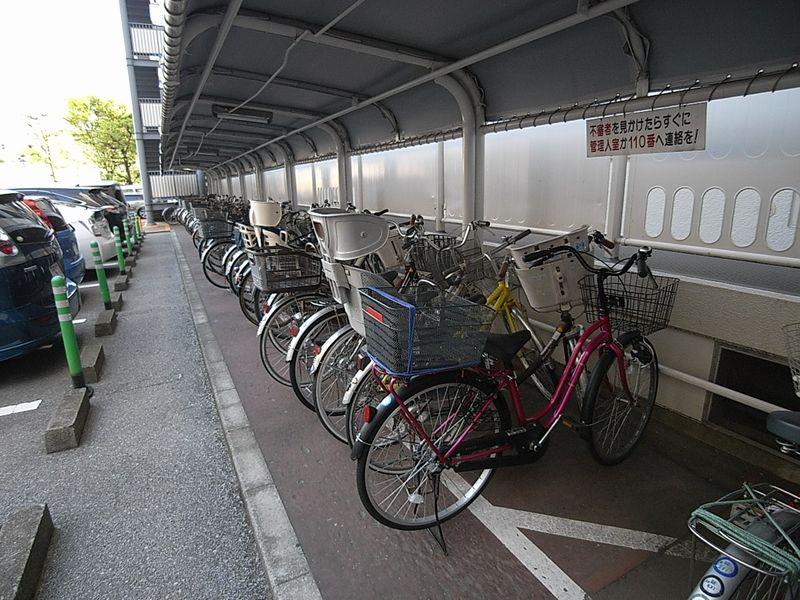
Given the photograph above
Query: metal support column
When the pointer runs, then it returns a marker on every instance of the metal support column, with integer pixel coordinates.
(360, 197)
(240, 166)
(439, 208)
(469, 143)
(616, 199)
(138, 129)
(201, 182)
(342, 164)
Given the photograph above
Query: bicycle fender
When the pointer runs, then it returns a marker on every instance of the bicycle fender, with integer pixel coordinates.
(368, 430)
(229, 260)
(313, 320)
(274, 307)
(328, 343)
(357, 378)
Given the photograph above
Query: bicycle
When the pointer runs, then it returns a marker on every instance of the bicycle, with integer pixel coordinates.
(457, 420)
(756, 529)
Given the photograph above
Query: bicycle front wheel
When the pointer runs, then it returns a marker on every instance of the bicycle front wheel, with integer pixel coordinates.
(337, 366)
(213, 264)
(401, 482)
(247, 293)
(615, 414)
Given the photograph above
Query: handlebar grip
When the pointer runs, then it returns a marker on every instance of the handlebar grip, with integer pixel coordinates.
(607, 243)
(503, 270)
(381, 212)
(520, 236)
(481, 223)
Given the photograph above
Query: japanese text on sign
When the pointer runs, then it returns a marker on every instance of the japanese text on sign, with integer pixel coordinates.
(663, 130)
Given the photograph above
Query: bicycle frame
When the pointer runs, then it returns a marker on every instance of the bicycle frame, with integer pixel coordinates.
(597, 336)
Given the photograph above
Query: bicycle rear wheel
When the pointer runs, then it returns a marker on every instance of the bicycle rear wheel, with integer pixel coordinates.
(247, 298)
(400, 481)
(615, 418)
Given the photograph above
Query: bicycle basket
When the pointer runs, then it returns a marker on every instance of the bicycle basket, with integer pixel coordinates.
(277, 269)
(424, 331)
(430, 257)
(207, 214)
(214, 229)
(633, 302)
(791, 334)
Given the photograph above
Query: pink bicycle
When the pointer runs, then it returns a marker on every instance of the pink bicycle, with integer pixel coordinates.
(432, 426)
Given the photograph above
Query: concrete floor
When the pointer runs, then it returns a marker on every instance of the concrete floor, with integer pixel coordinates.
(148, 505)
(536, 534)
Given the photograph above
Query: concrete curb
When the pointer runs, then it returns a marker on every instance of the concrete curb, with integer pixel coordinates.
(65, 428)
(24, 541)
(281, 554)
(121, 283)
(116, 300)
(105, 323)
(92, 358)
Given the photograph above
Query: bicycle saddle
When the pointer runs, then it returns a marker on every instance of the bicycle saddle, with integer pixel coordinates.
(785, 424)
(504, 346)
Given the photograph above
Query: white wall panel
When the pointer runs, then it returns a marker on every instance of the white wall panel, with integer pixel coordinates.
(404, 180)
(743, 186)
(275, 185)
(540, 177)
(250, 184)
(236, 187)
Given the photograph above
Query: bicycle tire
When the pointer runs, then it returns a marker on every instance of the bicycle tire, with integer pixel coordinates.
(213, 267)
(246, 298)
(408, 394)
(300, 363)
(232, 270)
(637, 350)
(273, 344)
(336, 366)
(363, 390)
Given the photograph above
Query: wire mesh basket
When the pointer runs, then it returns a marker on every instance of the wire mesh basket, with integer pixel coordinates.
(756, 531)
(634, 303)
(204, 213)
(214, 229)
(791, 335)
(429, 256)
(277, 269)
(423, 331)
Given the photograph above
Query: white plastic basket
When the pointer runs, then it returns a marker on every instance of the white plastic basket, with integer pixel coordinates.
(345, 281)
(346, 236)
(554, 284)
(265, 214)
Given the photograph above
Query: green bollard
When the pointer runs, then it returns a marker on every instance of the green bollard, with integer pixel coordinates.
(59, 284)
(134, 232)
(128, 241)
(101, 275)
(120, 255)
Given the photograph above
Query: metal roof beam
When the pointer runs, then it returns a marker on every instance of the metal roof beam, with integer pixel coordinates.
(538, 33)
(291, 111)
(200, 21)
(225, 26)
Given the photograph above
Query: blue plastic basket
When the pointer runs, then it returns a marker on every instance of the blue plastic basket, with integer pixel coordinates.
(424, 331)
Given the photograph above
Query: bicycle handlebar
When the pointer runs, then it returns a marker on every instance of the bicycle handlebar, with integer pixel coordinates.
(640, 258)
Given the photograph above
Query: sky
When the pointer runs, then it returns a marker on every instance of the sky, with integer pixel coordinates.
(53, 50)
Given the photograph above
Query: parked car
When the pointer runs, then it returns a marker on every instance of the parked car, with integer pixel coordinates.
(86, 214)
(73, 262)
(135, 199)
(114, 210)
(29, 258)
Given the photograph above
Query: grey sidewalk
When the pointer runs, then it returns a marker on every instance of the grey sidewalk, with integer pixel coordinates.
(148, 505)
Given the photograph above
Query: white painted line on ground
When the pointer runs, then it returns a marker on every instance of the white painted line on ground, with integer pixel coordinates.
(88, 285)
(78, 321)
(505, 524)
(19, 408)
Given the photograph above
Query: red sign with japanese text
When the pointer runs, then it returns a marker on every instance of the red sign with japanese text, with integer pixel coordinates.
(664, 130)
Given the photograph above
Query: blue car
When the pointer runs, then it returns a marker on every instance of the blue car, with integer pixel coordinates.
(29, 257)
(73, 263)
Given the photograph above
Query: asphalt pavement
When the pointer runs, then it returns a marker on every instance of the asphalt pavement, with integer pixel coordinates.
(148, 506)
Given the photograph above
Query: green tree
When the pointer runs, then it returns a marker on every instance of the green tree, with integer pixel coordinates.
(105, 130)
(45, 148)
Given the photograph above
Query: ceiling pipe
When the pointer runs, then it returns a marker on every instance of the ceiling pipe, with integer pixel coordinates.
(222, 34)
(556, 26)
(174, 22)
